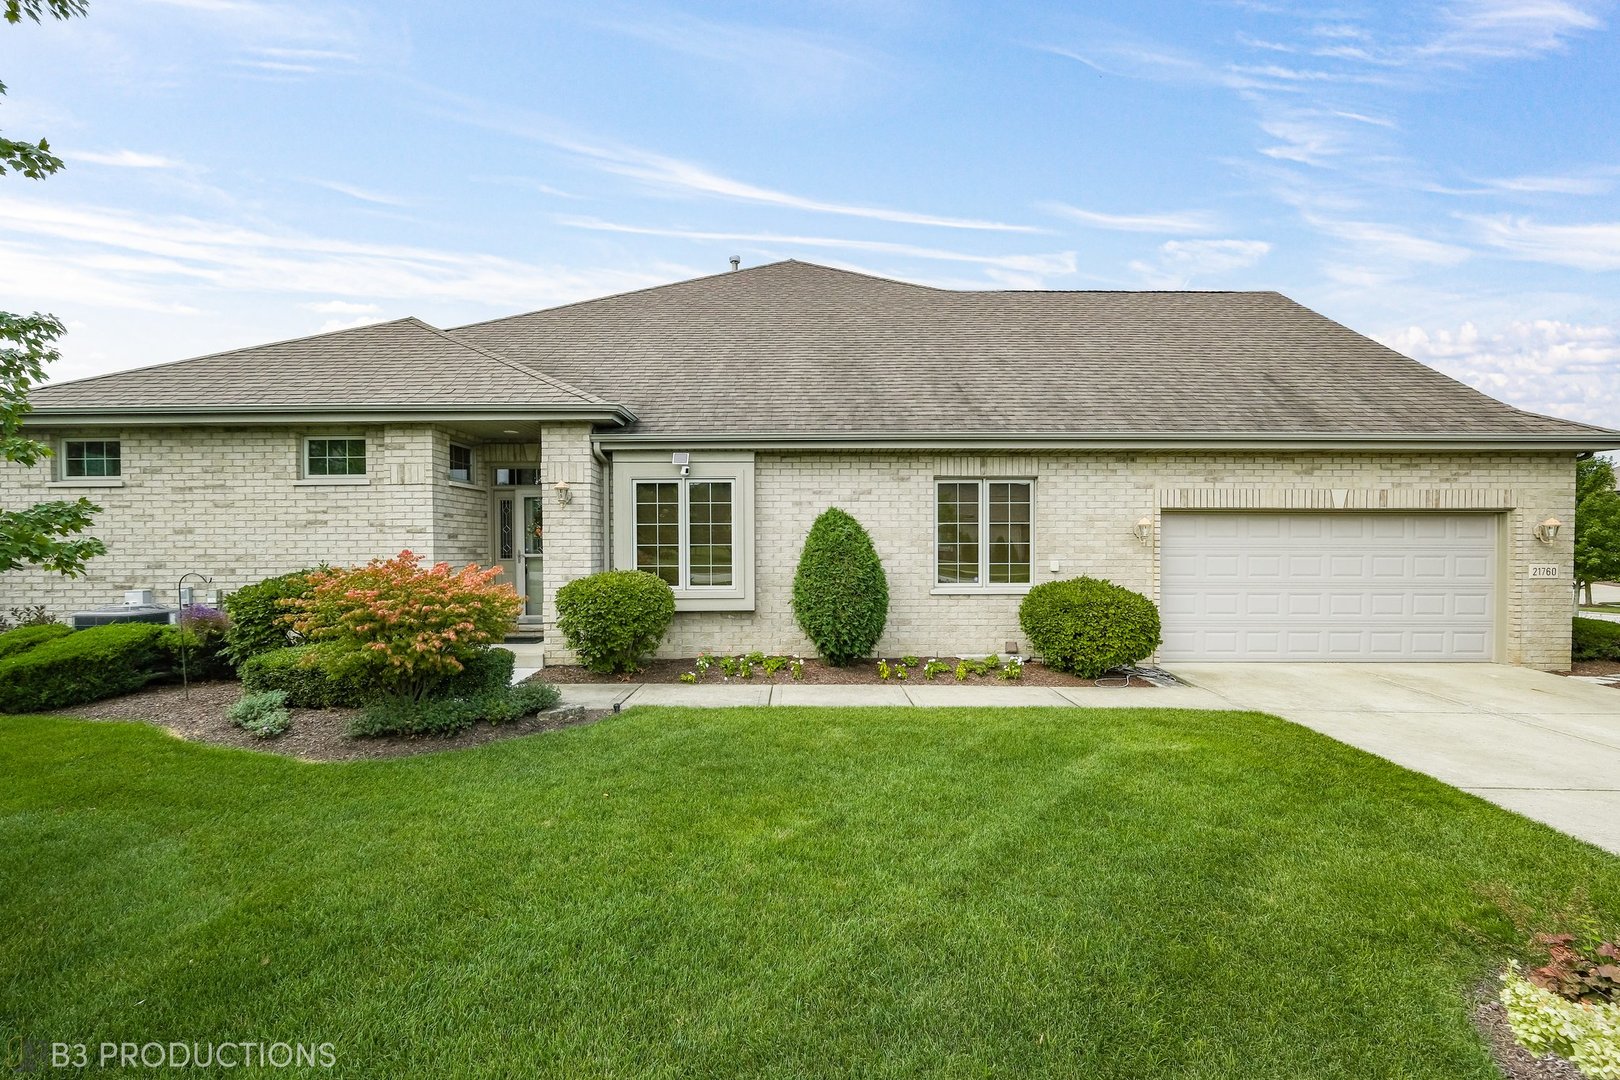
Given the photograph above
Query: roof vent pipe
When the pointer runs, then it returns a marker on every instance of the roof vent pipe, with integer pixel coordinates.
(736, 261)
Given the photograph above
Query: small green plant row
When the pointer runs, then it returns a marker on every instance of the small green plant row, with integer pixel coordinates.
(742, 667)
(1010, 669)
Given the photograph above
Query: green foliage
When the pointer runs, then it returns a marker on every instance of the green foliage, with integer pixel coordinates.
(935, 668)
(1595, 639)
(840, 593)
(1597, 524)
(615, 620)
(196, 652)
(34, 160)
(1088, 626)
(1588, 1036)
(402, 628)
(259, 619)
(305, 673)
(24, 638)
(86, 665)
(449, 715)
(1013, 671)
(264, 714)
(26, 615)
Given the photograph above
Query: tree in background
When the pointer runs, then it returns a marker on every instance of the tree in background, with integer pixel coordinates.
(47, 534)
(1597, 524)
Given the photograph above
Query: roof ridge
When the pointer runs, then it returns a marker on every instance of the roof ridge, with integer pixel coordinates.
(693, 281)
(538, 376)
(227, 352)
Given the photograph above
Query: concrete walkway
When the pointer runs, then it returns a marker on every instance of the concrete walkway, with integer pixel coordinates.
(919, 694)
(1543, 745)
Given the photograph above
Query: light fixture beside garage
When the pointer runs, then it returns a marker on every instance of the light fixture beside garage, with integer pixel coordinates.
(1547, 531)
(1144, 529)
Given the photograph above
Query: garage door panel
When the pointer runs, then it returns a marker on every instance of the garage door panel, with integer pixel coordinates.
(1328, 586)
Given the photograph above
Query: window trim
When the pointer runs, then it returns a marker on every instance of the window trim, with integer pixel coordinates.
(471, 479)
(106, 480)
(983, 587)
(307, 479)
(737, 467)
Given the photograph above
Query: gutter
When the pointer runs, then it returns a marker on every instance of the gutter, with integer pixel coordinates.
(238, 415)
(1596, 440)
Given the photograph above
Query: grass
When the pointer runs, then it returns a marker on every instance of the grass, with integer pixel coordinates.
(773, 892)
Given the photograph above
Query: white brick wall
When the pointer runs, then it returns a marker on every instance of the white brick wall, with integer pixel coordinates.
(224, 502)
(1085, 507)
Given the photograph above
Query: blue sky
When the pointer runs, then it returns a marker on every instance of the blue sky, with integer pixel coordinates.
(1442, 176)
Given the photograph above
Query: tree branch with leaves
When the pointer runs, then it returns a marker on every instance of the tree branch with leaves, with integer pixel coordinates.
(49, 534)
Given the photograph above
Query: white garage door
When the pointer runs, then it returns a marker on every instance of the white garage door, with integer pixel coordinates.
(1328, 586)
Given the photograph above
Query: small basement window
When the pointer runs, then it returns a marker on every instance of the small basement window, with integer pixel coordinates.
(334, 457)
(461, 463)
(84, 459)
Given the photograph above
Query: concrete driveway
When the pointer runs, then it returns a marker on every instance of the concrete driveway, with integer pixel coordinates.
(1543, 745)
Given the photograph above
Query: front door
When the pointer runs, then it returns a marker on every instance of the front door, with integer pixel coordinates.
(519, 543)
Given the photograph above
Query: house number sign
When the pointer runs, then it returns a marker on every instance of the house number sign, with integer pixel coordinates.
(1543, 571)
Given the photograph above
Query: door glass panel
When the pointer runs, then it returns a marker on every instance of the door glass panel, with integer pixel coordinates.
(507, 530)
(533, 555)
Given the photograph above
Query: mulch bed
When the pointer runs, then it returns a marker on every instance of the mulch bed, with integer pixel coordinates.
(1515, 1061)
(818, 673)
(315, 734)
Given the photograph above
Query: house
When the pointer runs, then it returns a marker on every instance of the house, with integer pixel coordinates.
(1284, 488)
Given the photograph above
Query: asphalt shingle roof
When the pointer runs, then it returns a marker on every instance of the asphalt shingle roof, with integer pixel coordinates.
(793, 347)
(404, 363)
(796, 349)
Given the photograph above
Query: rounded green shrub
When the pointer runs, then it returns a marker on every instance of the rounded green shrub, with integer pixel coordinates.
(304, 673)
(1088, 626)
(1590, 639)
(840, 593)
(257, 615)
(614, 620)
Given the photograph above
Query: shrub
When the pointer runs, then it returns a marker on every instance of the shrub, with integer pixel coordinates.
(1595, 639)
(196, 645)
(304, 673)
(1581, 970)
(840, 593)
(258, 618)
(24, 638)
(1087, 626)
(449, 715)
(264, 714)
(615, 620)
(26, 615)
(86, 665)
(1544, 1023)
(400, 628)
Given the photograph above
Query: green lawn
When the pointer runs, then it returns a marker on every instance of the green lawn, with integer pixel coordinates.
(772, 892)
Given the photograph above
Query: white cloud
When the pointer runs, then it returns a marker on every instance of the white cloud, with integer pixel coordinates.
(1042, 265)
(1498, 29)
(1545, 366)
(362, 194)
(124, 159)
(1390, 242)
(664, 173)
(1179, 262)
(343, 307)
(1592, 246)
(1178, 221)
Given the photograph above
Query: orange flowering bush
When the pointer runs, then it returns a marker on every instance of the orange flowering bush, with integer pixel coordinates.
(399, 628)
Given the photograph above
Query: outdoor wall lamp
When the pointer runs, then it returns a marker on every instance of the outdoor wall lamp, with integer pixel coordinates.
(1547, 531)
(1144, 529)
(564, 494)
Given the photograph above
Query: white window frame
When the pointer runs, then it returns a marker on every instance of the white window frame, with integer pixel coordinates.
(57, 476)
(983, 586)
(632, 468)
(304, 476)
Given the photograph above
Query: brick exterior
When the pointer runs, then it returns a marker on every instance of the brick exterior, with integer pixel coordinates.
(226, 502)
(1085, 507)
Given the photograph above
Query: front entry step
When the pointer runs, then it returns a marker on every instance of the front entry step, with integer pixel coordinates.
(524, 636)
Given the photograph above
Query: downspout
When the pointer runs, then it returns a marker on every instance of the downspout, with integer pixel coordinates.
(606, 465)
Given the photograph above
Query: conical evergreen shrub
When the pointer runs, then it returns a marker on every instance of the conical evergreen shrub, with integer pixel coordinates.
(840, 593)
